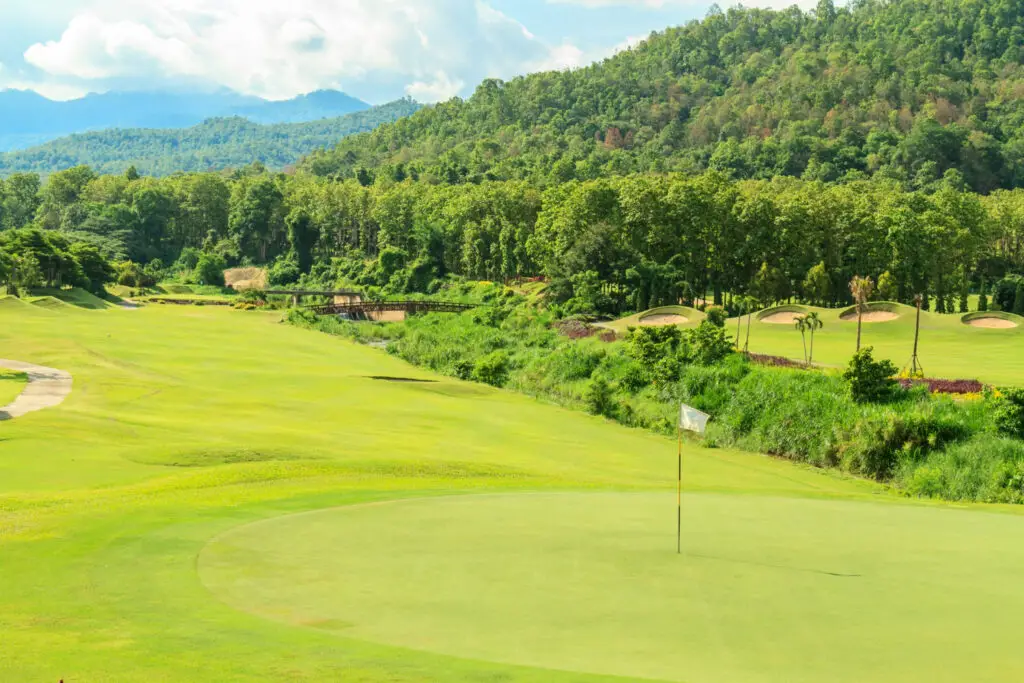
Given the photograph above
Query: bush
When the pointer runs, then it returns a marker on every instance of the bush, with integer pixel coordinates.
(599, 398)
(1009, 412)
(706, 345)
(871, 381)
(716, 315)
(131, 274)
(210, 270)
(1005, 293)
(492, 369)
(285, 271)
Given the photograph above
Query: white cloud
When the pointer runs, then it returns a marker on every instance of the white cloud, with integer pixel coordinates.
(279, 48)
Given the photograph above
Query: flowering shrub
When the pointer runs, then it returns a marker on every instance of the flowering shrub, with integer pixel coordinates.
(946, 386)
(773, 361)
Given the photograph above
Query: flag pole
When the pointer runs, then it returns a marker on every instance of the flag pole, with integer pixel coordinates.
(679, 492)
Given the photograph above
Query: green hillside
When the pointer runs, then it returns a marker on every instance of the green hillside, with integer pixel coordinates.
(910, 90)
(213, 145)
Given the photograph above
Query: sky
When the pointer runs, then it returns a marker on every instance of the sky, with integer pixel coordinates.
(377, 50)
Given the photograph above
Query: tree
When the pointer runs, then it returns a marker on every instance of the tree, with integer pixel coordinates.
(97, 270)
(861, 288)
(887, 288)
(817, 285)
(302, 236)
(800, 322)
(210, 270)
(1018, 301)
(983, 297)
(813, 323)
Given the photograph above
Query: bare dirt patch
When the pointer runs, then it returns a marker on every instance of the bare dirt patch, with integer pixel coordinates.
(664, 319)
(782, 317)
(241, 279)
(992, 323)
(872, 317)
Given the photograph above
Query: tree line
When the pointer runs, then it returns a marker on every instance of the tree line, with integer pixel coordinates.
(606, 246)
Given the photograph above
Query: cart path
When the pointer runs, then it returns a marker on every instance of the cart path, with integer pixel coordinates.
(46, 388)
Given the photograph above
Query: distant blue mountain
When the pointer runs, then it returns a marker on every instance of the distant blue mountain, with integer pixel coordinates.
(27, 118)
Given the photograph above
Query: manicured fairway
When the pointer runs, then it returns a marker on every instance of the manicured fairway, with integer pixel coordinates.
(188, 425)
(767, 589)
(948, 348)
(11, 384)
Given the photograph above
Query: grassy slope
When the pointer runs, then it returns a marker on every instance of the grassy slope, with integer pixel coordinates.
(188, 422)
(11, 384)
(948, 348)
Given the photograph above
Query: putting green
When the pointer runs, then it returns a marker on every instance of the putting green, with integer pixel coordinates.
(767, 589)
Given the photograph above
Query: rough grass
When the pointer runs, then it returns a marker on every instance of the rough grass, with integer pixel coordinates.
(101, 526)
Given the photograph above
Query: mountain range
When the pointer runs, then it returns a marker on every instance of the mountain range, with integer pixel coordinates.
(215, 144)
(27, 118)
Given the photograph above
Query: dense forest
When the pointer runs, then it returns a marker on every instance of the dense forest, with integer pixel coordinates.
(606, 246)
(213, 145)
(908, 90)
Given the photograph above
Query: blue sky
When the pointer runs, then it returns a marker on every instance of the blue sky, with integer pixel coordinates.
(374, 49)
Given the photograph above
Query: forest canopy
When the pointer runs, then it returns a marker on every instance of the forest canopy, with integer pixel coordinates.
(910, 90)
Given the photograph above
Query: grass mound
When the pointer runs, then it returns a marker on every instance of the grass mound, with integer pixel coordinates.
(664, 315)
(14, 305)
(993, 320)
(49, 303)
(877, 312)
(781, 315)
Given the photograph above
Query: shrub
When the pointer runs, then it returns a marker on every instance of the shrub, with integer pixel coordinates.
(131, 274)
(492, 369)
(716, 315)
(210, 270)
(599, 398)
(1008, 412)
(871, 381)
(1005, 293)
(706, 345)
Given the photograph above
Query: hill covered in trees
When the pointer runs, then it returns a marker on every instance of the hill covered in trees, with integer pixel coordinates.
(908, 90)
(213, 145)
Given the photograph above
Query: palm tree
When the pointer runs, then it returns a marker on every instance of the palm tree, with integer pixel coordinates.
(813, 322)
(800, 322)
(862, 288)
(740, 302)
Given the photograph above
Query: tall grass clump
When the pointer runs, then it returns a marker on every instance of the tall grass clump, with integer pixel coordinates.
(986, 469)
(793, 414)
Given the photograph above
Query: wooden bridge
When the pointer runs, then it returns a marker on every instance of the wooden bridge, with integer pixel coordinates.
(366, 309)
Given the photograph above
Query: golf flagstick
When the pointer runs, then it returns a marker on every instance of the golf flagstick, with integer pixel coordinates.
(679, 492)
(692, 420)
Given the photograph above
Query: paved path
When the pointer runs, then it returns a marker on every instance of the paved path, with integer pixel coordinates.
(46, 388)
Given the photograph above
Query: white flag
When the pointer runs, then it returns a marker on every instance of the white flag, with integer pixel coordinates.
(692, 420)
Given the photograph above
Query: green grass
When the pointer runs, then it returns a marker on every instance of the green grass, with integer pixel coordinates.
(601, 589)
(948, 348)
(187, 425)
(11, 384)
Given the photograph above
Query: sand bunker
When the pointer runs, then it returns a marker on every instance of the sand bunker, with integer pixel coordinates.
(664, 319)
(782, 317)
(872, 317)
(992, 323)
(46, 388)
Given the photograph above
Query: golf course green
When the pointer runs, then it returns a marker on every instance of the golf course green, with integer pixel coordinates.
(226, 498)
